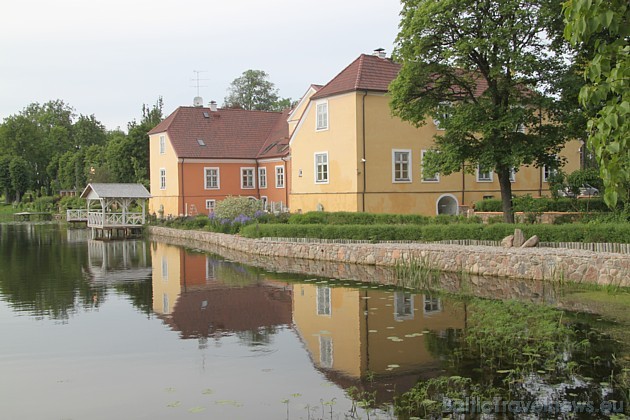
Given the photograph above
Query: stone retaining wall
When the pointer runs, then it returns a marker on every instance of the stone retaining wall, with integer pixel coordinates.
(531, 263)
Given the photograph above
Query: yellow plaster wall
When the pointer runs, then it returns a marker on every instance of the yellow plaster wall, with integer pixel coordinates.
(340, 141)
(166, 276)
(169, 197)
(342, 326)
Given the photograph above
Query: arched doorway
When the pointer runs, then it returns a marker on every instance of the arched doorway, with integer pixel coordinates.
(447, 204)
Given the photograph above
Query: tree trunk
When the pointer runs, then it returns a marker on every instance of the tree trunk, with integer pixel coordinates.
(506, 194)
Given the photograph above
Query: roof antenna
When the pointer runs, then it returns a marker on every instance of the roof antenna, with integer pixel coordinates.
(198, 101)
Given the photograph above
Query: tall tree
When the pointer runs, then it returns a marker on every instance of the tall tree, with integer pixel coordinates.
(20, 176)
(605, 25)
(6, 187)
(480, 67)
(254, 91)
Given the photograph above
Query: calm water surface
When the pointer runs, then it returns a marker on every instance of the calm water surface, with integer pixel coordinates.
(147, 330)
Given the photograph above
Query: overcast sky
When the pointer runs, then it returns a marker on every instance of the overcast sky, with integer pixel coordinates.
(108, 57)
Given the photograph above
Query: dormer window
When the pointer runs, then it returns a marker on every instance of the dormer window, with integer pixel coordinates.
(322, 116)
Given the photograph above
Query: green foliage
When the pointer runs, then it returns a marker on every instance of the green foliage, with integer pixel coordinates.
(582, 177)
(527, 203)
(605, 24)
(253, 91)
(357, 218)
(71, 202)
(449, 50)
(20, 176)
(579, 232)
(233, 206)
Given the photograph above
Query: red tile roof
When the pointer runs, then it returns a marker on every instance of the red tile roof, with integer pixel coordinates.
(368, 72)
(225, 133)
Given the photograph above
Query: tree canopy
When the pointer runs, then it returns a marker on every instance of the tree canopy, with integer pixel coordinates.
(603, 28)
(480, 67)
(46, 147)
(253, 91)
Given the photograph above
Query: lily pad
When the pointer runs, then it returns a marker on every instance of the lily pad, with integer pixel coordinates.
(197, 409)
(174, 404)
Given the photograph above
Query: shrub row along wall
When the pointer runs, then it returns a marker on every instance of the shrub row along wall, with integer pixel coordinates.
(530, 263)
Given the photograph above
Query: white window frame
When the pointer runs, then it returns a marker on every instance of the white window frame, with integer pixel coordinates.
(324, 301)
(548, 173)
(403, 306)
(162, 145)
(443, 108)
(280, 176)
(490, 177)
(321, 116)
(326, 351)
(408, 163)
(162, 178)
(436, 176)
(253, 178)
(210, 272)
(262, 178)
(431, 305)
(205, 178)
(512, 174)
(325, 174)
(211, 204)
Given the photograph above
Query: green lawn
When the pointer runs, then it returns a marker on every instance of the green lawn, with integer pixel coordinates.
(6, 212)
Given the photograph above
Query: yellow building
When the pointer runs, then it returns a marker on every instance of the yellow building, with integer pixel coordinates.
(348, 153)
(361, 332)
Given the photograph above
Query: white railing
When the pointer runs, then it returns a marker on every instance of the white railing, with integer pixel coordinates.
(76, 215)
(97, 219)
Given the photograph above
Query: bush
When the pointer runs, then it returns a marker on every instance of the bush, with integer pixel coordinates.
(350, 218)
(579, 232)
(527, 203)
(232, 207)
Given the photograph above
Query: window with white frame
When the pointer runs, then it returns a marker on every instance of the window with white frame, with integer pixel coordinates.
(162, 178)
(484, 174)
(162, 145)
(210, 273)
(247, 178)
(321, 168)
(279, 176)
(443, 114)
(211, 178)
(512, 174)
(325, 351)
(210, 205)
(322, 115)
(428, 177)
(262, 177)
(323, 300)
(164, 269)
(548, 173)
(432, 305)
(403, 306)
(401, 165)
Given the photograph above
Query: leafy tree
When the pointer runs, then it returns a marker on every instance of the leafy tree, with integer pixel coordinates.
(6, 187)
(606, 26)
(480, 68)
(254, 91)
(87, 130)
(20, 176)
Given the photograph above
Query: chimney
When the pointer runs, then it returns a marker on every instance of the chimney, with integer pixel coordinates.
(379, 52)
(213, 106)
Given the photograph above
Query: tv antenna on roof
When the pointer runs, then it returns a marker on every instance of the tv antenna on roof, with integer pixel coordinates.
(197, 79)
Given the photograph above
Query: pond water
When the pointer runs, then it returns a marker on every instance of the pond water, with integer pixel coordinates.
(151, 330)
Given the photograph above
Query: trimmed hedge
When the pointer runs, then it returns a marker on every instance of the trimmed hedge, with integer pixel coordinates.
(352, 218)
(543, 204)
(578, 232)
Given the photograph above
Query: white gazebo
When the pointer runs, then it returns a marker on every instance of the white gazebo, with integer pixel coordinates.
(115, 214)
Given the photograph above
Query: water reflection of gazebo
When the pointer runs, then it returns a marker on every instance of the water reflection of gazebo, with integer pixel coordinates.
(116, 215)
(118, 261)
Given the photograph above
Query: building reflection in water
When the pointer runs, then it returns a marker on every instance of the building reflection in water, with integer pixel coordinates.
(355, 335)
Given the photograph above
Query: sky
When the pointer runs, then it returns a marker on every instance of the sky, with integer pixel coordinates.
(109, 57)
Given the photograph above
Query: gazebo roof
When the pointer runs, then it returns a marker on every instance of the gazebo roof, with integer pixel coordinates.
(98, 191)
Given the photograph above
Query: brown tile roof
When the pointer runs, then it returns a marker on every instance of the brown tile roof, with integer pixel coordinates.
(277, 143)
(197, 132)
(367, 72)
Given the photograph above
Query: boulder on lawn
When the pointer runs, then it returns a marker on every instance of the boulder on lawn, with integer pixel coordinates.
(519, 238)
(508, 241)
(531, 242)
